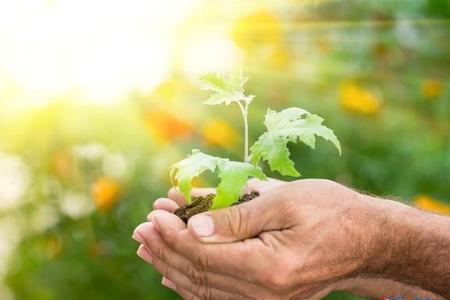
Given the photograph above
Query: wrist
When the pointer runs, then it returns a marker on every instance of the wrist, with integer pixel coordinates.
(409, 245)
(386, 235)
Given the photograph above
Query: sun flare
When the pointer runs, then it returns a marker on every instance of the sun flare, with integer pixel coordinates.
(96, 51)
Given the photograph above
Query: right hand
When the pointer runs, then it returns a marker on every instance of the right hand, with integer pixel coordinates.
(294, 238)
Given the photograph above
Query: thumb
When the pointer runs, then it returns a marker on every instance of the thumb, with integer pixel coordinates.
(240, 222)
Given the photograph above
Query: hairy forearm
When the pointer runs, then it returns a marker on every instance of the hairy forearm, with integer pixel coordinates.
(412, 246)
(381, 287)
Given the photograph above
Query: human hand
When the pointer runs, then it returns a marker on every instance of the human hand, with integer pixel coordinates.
(214, 277)
(257, 249)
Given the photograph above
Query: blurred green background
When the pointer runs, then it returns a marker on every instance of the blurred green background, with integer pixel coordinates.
(98, 98)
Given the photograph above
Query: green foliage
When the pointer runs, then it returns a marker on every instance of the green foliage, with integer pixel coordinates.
(290, 125)
(192, 166)
(233, 176)
(227, 89)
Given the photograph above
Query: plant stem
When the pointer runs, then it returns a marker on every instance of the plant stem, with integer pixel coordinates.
(244, 110)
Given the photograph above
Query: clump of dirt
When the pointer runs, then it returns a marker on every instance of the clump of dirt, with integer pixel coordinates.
(203, 203)
(246, 197)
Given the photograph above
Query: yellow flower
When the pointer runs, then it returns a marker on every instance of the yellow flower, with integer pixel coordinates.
(257, 29)
(105, 192)
(432, 88)
(279, 57)
(164, 126)
(217, 132)
(357, 99)
(427, 203)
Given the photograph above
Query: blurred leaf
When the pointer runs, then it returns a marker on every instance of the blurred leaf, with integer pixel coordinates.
(227, 89)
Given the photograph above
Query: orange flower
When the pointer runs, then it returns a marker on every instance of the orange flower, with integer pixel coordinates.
(257, 29)
(217, 132)
(61, 164)
(427, 203)
(432, 88)
(164, 126)
(357, 99)
(105, 192)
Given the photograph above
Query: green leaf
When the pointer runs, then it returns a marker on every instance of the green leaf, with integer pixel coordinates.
(290, 125)
(227, 89)
(192, 166)
(233, 176)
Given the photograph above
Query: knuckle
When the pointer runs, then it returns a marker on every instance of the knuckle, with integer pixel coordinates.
(170, 238)
(276, 281)
(163, 269)
(235, 221)
(202, 261)
(197, 278)
(186, 294)
(159, 252)
(279, 279)
(202, 292)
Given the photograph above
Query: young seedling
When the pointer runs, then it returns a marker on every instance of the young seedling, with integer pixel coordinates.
(289, 125)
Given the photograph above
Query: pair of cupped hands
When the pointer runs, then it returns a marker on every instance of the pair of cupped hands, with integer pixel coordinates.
(297, 240)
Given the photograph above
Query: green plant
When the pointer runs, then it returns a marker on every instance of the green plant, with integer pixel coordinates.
(289, 125)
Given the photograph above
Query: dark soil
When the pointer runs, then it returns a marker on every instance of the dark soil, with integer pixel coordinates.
(204, 203)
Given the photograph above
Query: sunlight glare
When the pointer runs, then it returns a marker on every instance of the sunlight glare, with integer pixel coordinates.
(97, 51)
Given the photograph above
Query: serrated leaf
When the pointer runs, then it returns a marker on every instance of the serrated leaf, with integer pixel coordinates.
(234, 176)
(227, 89)
(290, 125)
(192, 166)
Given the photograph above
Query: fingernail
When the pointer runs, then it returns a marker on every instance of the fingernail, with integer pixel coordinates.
(203, 225)
(151, 216)
(145, 254)
(167, 283)
(141, 230)
(157, 203)
(137, 237)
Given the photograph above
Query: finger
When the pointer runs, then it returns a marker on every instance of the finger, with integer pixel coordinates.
(167, 283)
(203, 290)
(228, 259)
(142, 231)
(178, 222)
(185, 294)
(165, 204)
(182, 271)
(213, 294)
(262, 186)
(145, 254)
(270, 211)
(176, 195)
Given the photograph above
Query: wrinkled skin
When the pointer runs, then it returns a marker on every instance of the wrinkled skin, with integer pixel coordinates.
(298, 240)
